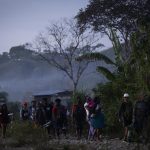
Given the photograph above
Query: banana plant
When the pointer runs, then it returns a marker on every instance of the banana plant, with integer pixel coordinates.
(98, 56)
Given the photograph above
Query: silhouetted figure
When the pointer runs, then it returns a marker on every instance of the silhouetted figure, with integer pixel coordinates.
(58, 116)
(48, 114)
(24, 112)
(125, 114)
(4, 119)
(40, 114)
(140, 117)
(79, 117)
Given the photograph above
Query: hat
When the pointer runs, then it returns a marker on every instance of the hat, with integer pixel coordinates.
(126, 95)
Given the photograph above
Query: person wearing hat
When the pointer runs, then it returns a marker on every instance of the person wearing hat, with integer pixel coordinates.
(125, 114)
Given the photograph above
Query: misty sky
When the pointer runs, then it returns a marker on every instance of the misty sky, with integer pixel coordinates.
(22, 20)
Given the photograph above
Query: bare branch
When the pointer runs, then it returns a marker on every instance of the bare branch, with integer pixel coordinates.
(64, 42)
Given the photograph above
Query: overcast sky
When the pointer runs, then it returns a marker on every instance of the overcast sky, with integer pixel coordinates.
(22, 20)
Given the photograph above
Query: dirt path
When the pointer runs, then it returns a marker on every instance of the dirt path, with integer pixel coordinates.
(73, 144)
(111, 144)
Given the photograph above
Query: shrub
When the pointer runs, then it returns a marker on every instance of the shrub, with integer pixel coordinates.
(25, 133)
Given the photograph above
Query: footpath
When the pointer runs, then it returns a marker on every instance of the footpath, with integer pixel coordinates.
(73, 144)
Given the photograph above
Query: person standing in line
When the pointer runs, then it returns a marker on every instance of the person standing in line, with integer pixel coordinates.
(78, 115)
(125, 114)
(140, 117)
(89, 104)
(24, 112)
(97, 118)
(4, 119)
(40, 115)
(32, 111)
(58, 117)
(48, 113)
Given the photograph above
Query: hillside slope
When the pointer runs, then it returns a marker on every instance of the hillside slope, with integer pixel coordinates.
(22, 75)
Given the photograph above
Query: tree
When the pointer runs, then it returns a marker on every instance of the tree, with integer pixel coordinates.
(62, 43)
(140, 56)
(4, 57)
(19, 52)
(127, 24)
(128, 21)
(120, 16)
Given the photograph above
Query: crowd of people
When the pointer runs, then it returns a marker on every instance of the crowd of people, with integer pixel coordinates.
(56, 118)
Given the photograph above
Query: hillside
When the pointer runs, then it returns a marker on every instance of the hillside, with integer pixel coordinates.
(23, 73)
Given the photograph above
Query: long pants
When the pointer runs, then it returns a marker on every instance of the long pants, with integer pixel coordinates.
(4, 126)
(91, 132)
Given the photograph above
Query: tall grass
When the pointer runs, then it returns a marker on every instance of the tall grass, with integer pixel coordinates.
(25, 133)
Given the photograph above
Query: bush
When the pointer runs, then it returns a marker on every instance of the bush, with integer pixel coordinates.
(25, 133)
(81, 95)
(110, 96)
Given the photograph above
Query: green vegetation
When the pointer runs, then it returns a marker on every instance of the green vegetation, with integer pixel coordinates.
(127, 25)
(77, 95)
(25, 133)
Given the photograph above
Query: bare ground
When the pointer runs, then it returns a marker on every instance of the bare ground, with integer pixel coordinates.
(73, 144)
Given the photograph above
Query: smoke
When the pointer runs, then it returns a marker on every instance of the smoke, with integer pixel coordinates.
(22, 78)
(19, 89)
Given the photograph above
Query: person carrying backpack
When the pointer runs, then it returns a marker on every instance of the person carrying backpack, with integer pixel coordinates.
(125, 114)
(79, 117)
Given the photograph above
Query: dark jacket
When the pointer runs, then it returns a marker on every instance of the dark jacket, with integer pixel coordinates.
(40, 116)
(126, 112)
(4, 118)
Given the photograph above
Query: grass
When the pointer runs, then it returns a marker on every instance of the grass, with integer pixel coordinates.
(25, 133)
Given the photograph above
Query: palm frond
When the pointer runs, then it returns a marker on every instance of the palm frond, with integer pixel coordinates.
(108, 74)
(96, 57)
